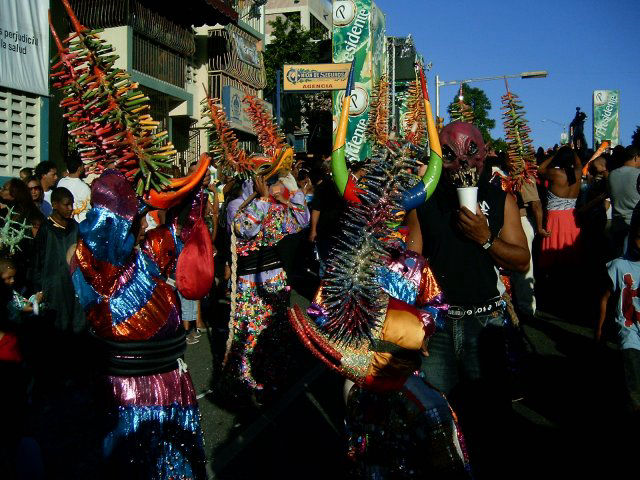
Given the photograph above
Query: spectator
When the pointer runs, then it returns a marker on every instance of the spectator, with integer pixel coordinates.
(564, 173)
(26, 173)
(623, 187)
(51, 272)
(37, 195)
(595, 211)
(18, 304)
(624, 276)
(466, 357)
(15, 194)
(47, 174)
(80, 190)
(326, 207)
(532, 223)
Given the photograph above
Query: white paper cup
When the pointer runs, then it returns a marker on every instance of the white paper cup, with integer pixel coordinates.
(468, 197)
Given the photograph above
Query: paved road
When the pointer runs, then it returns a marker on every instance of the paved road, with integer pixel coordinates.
(570, 418)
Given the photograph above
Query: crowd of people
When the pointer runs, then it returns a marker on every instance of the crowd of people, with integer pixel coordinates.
(580, 217)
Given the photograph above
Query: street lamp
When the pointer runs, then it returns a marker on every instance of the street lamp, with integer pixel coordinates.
(563, 137)
(532, 74)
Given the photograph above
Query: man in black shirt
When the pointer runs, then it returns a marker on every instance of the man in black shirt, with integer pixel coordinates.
(467, 358)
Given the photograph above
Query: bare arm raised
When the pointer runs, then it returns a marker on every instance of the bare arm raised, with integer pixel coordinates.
(509, 250)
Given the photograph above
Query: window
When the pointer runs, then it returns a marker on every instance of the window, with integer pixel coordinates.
(19, 131)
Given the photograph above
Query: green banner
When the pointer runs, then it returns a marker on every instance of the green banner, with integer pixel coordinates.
(606, 117)
(359, 37)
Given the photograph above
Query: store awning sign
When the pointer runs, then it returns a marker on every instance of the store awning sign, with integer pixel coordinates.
(24, 45)
(247, 51)
(235, 109)
(321, 76)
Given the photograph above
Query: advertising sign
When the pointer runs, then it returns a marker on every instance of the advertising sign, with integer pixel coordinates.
(359, 37)
(322, 76)
(234, 108)
(606, 117)
(247, 51)
(24, 45)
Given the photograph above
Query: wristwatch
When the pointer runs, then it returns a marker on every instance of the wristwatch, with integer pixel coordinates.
(487, 245)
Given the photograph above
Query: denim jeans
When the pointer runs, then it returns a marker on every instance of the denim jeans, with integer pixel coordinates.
(467, 361)
(631, 359)
(189, 309)
(468, 349)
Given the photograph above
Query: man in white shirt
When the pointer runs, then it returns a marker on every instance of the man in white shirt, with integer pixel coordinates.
(47, 174)
(80, 190)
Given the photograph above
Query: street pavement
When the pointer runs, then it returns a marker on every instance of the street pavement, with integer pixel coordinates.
(567, 416)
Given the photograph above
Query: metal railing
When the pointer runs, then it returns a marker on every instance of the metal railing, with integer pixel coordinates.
(219, 80)
(192, 153)
(146, 22)
(158, 61)
(246, 15)
(224, 58)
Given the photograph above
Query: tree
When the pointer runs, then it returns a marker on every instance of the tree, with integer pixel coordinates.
(292, 44)
(635, 138)
(480, 105)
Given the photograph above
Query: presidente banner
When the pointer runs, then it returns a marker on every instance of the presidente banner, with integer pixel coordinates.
(321, 76)
(606, 117)
(24, 45)
(359, 37)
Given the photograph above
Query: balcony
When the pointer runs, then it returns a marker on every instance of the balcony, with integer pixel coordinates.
(234, 59)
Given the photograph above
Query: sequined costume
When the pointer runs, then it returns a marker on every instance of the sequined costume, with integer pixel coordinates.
(405, 433)
(261, 296)
(134, 315)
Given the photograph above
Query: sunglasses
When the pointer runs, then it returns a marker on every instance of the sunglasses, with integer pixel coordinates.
(35, 188)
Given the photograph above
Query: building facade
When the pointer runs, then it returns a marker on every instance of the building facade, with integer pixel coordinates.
(174, 53)
(309, 13)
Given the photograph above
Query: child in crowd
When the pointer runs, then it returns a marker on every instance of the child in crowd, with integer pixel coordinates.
(624, 276)
(18, 304)
(53, 242)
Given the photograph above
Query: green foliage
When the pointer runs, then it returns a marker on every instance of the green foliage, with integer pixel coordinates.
(635, 138)
(480, 105)
(290, 44)
(499, 145)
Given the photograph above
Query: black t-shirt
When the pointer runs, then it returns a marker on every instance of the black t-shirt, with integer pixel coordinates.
(330, 204)
(466, 273)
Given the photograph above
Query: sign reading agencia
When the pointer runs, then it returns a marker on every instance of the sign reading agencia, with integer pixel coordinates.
(322, 76)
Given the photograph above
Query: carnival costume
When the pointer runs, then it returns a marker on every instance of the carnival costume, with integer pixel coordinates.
(135, 317)
(363, 323)
(255, 357)
(153, 425)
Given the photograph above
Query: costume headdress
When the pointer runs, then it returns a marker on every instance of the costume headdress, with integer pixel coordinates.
(12, 232)
(520, 155)
(107, 115)
(230, 158)
(415, 122)
(109, 120)
(460, 111)
(360, 330)
(378, 127)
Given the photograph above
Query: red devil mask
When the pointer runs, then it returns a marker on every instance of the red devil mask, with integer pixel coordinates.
(462, 148)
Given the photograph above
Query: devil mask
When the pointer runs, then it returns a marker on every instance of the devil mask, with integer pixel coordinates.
(463, 152)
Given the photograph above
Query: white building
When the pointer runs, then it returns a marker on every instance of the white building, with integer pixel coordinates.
(310, 13)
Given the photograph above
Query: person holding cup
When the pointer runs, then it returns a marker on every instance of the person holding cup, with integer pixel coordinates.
(467, 230)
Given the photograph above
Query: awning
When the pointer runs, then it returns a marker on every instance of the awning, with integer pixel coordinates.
(224, 6)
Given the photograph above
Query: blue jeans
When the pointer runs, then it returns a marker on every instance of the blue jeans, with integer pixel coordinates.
(469, 349)
(189, 309)
(467, 361)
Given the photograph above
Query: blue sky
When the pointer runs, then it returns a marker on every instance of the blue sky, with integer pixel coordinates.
(585, 45)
